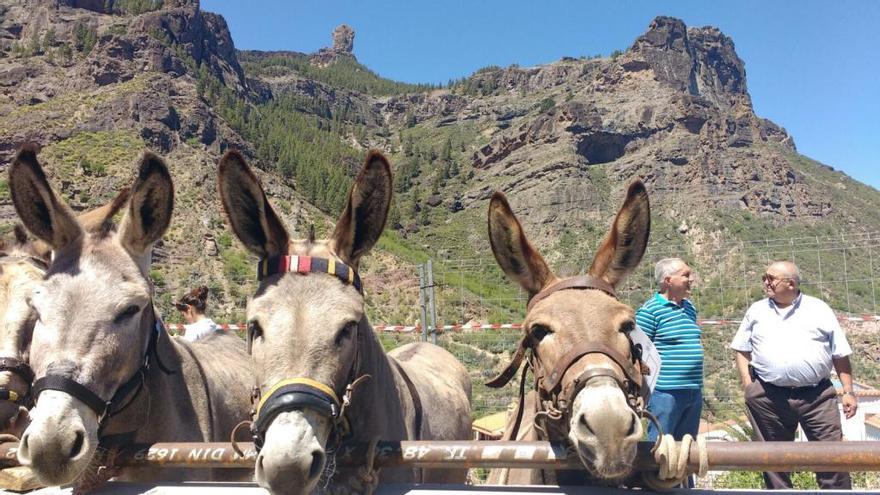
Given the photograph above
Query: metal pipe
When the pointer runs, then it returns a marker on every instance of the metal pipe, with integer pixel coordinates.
(722, 456)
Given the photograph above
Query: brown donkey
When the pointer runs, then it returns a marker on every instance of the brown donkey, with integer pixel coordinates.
(587, 370)
(107, 372)
(312, 344)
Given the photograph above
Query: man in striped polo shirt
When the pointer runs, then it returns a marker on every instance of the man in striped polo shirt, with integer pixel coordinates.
(670, 320)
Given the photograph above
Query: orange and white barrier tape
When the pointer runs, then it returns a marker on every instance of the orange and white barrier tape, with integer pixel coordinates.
(466, 327)
(178, 327)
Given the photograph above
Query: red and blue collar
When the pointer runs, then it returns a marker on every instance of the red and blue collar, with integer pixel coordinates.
(309, 264)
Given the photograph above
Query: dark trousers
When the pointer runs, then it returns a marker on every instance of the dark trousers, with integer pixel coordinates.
(775, 413)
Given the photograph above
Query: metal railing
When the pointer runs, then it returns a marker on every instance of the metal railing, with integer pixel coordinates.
(721, 456)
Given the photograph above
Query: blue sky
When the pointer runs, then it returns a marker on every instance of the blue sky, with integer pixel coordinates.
(812, 67)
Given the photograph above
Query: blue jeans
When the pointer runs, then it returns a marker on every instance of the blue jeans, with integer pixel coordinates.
(678, 412)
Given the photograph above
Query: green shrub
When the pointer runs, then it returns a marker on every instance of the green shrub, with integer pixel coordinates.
(224, 240)
(118, 29)
(93, 168)
(158, 277)
(135, 7)
(84, 37)
(236, 267)
(546, 104)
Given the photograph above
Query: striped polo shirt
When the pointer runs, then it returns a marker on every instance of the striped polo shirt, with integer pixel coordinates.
(675, 332)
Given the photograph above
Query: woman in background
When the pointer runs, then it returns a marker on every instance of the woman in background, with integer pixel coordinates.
(192, 305)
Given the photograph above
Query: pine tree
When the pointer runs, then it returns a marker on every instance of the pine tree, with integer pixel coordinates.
(446, 152)
(394, 216)
(49, 39)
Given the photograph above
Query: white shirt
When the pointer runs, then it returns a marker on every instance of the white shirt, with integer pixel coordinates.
(791, 346)
(199, 329)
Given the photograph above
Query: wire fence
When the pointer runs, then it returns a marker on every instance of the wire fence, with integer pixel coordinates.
(839, 269)
(486, 352)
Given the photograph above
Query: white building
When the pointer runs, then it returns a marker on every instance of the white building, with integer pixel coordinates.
(865, 425)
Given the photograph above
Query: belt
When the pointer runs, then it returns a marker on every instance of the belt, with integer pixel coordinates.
(823, 382)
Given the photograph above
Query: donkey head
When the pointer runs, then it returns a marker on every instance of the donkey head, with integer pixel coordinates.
(93, 308)
(22, 264)
(306, 320)
(576, 334)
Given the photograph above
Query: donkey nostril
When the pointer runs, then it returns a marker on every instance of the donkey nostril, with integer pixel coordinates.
(317, 464)
(77, 446)
(632, 426)
(584, 424)
(23, 447)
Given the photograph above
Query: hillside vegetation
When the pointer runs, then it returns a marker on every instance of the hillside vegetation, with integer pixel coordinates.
(729, 191)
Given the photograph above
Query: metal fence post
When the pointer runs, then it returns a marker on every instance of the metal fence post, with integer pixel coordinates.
(432, 306)
(422, 305)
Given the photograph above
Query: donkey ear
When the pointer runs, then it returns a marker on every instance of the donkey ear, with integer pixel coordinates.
(150, 206)
(43, 213)
(96, 219)
(363, 220)
(516, 256)
(21, 236)
(625, 243)
(251, 216)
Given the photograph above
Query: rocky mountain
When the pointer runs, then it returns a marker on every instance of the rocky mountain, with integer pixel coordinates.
(94, 82)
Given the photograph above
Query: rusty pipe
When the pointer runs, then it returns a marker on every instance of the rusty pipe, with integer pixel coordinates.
(722, 456)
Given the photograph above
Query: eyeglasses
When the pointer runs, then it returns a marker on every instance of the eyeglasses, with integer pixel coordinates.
(769, 279)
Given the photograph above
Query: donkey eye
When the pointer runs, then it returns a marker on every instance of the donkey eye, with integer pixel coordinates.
(538, 332)
(627, 326)
(345, 332)
(126, 314)
(254, 330)
(30, 305)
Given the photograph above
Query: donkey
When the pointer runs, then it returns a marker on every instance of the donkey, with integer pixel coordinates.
(587, 371)
(22, 265)
(108, 374)
(312, 343)
(23, 262)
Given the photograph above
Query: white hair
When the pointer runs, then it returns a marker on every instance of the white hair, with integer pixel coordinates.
(790, 270)
(666, 267)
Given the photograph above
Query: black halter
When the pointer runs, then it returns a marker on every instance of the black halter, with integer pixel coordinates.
(300, 393)
(15, 365)
(107, 409)
(296, 394)
(23, 370)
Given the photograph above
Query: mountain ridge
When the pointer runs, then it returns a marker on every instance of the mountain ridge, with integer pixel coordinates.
(97, 82)
(566, 137)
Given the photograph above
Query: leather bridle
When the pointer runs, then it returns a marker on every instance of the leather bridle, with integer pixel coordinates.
(555, 401)
(23, 370)
(15, 365)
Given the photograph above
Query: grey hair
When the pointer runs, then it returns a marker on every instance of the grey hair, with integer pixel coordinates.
(666, 267)
(790, 269)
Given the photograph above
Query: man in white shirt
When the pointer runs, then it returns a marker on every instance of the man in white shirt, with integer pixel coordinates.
(785, 349)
